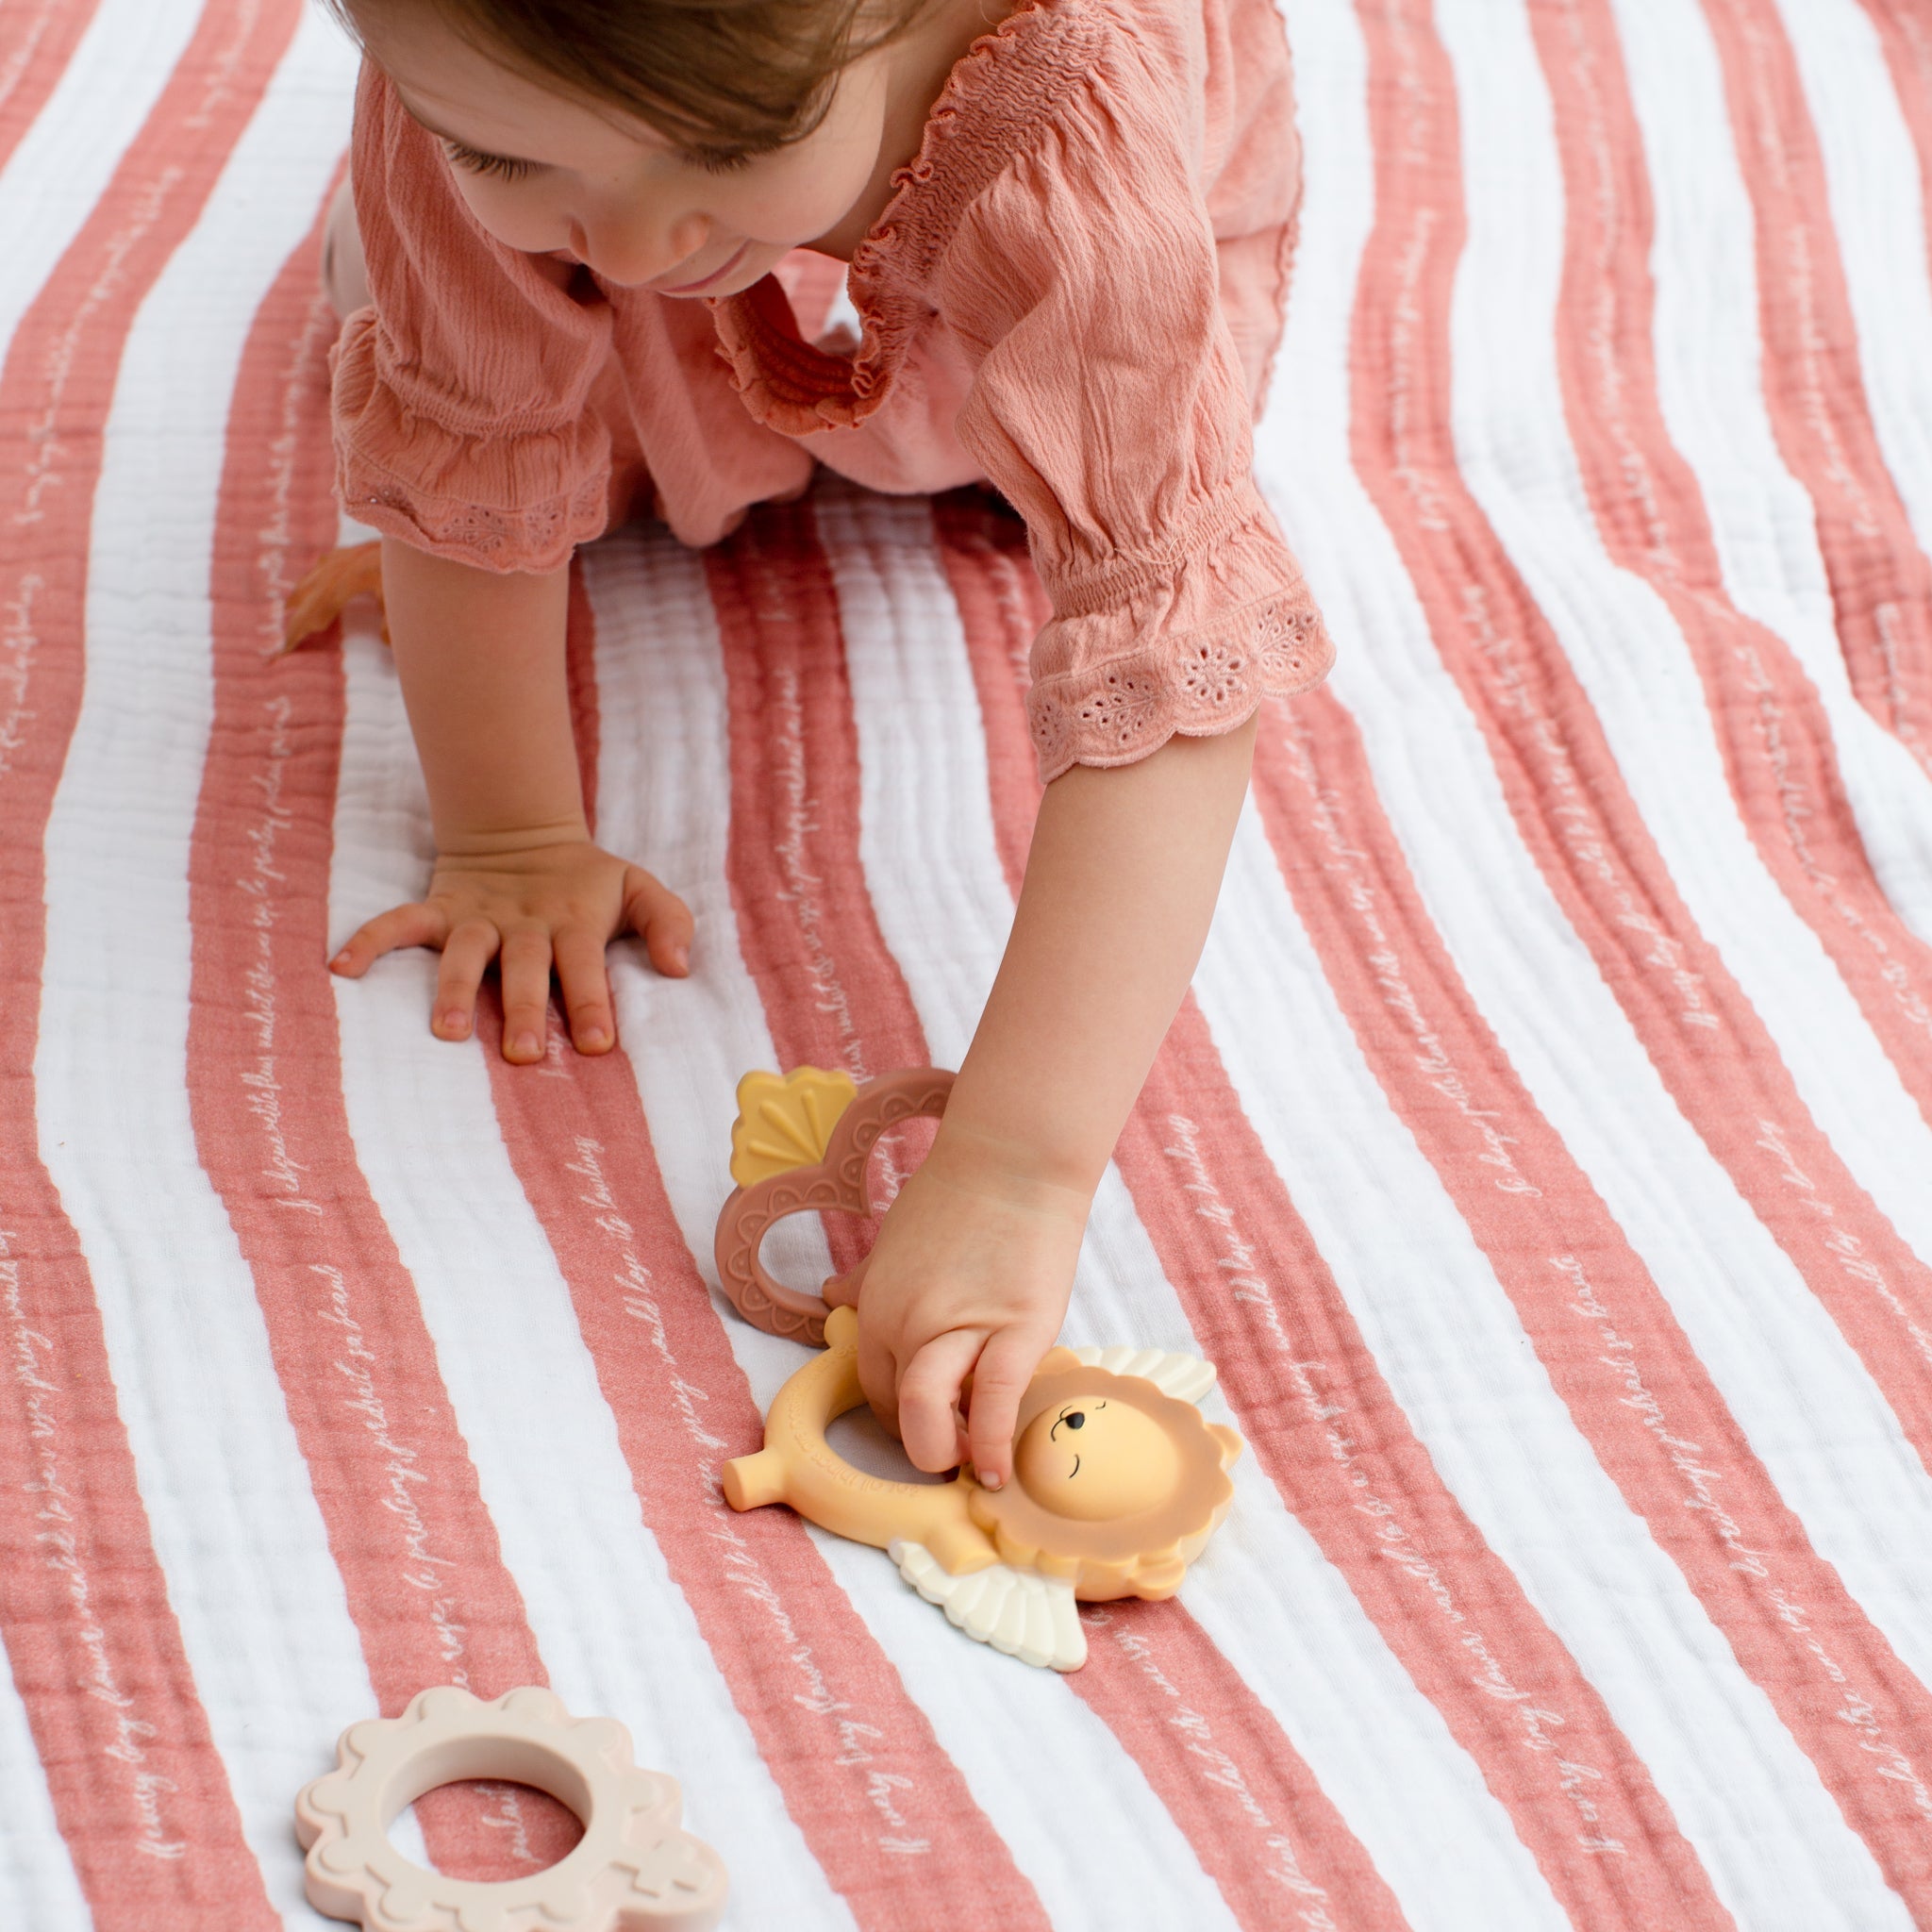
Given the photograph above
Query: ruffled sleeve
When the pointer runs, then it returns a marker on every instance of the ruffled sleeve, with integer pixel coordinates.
(461, 397)
(1110, 408)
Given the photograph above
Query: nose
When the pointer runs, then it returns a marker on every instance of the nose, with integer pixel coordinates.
(625, 245)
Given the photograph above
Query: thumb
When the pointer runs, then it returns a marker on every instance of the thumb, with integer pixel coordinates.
(660, 919)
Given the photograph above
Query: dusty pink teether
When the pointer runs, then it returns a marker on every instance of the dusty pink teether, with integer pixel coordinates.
(632, 1871)
(829, 1128)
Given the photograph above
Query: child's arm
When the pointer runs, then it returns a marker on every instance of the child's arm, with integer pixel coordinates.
(480, 657)
(975, 1261)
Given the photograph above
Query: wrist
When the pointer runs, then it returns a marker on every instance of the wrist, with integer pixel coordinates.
(1026, 1172)
(502, 842)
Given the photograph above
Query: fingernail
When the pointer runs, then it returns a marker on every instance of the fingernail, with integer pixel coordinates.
(596, 1039)
(524, 1046)
(991, 1480)
(341, 960)
(456, 1024)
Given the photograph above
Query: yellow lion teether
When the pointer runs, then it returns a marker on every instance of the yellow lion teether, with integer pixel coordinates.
(1118, 1482)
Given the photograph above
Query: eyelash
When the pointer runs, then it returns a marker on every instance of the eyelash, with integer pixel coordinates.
(710, 161)
(500, 165)
(718, 161)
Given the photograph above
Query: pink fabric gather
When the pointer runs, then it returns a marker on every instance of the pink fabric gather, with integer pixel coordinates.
(1074, 296)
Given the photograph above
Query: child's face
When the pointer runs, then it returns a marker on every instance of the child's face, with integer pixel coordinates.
(546, 174)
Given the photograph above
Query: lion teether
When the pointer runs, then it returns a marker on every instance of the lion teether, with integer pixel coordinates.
(1119, 1479)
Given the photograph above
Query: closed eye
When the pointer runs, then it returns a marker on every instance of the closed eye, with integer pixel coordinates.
(474, 163)
(718, 161)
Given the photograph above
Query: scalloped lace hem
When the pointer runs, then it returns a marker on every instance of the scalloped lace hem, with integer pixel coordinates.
(539, 537)
(1199, 686)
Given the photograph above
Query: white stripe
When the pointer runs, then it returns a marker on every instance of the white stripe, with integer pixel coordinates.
(1878, 222)
(617, 1636)
(55, 178)
(258, 1597)
(1709, 382)
(1855, 1495)
(1440, 1840)
(1538, 989)
(38, 1883)
(1023, 1743)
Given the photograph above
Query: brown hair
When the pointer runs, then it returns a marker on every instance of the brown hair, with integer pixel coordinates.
(721, 78)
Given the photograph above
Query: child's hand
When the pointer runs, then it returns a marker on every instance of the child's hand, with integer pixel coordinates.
(534, 908)
(970, 1277)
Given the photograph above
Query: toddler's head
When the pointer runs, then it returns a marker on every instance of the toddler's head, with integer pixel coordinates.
(682, 144)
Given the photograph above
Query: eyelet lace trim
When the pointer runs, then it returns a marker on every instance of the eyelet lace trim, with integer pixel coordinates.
(1201, 684)
(540, 537)
(999, 98)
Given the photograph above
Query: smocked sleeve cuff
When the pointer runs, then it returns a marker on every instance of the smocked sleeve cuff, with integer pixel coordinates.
(517, 494)
(1191, 642)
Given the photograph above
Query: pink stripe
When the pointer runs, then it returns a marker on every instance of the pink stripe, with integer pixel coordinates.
(1905, 32)
(832, 991)
(1322, 1420)
(1558, 773)
(1771, 728)
(35, 44)
(425, 1580)
(141, 1793)
(884, 1810)
(1881, 583)
(1266, 1832)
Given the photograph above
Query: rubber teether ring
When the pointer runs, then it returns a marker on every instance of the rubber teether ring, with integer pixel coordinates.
(837, 1184)
(632, 1871)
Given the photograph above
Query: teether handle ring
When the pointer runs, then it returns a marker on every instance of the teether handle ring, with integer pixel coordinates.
(837, 1183)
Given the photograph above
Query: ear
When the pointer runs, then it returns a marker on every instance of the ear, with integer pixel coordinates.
(1231, 1445)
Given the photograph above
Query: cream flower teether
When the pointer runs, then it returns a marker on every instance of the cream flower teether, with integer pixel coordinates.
(632, 1871)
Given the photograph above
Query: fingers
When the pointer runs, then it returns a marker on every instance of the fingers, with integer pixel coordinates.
(661, 919)
(317, 601)
(524, 964)
(929, 1398)
(1005, 1366)
(879, 1376)
(842, 1291)
(465, 955)
(586, 986)
(402, 926)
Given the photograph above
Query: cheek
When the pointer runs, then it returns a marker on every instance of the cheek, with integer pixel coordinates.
(797, 204)
(518, 214)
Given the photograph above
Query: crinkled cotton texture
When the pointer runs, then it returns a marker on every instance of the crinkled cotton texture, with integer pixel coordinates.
(1074, 295)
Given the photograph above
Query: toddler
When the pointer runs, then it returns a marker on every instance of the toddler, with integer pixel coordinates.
(1068, 232)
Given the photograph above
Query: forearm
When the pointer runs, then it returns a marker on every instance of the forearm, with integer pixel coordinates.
(1121, 878)
(481, 662)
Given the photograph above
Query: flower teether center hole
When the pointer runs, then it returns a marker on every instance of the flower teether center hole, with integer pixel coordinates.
(492, 1830)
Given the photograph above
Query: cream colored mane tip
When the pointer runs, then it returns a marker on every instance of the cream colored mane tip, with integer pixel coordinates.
(1186, 1377)
(632, 1871)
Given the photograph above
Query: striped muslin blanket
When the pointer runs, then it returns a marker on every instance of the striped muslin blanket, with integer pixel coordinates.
(1544, 1153)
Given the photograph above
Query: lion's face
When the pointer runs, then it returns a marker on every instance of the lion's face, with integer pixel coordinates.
(1117, 1485)
(1095, 1458)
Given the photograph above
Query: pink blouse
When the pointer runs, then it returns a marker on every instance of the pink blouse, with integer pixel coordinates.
(1075, 295)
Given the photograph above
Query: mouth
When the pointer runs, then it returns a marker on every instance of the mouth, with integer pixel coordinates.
(717, 275)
